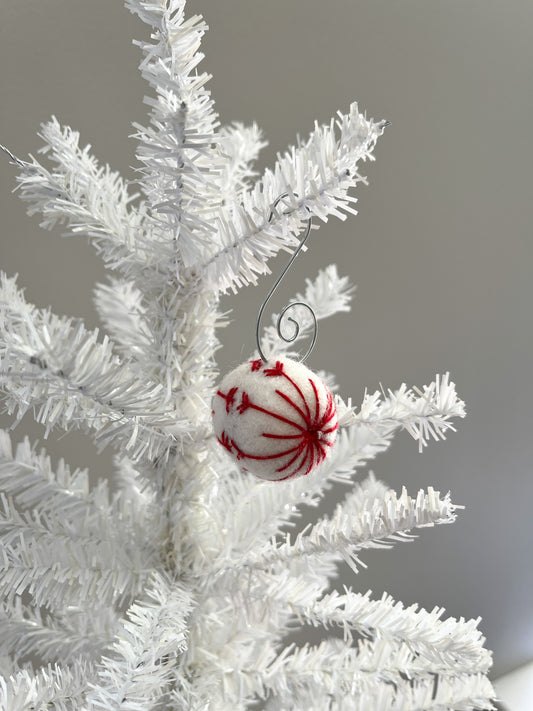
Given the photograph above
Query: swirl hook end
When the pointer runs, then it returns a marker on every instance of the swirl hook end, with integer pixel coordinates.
(296, 324)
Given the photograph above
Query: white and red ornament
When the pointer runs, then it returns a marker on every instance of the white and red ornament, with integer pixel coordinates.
(274, 416)
(277, 419)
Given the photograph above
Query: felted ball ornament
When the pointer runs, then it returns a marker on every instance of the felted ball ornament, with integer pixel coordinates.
(277, 419)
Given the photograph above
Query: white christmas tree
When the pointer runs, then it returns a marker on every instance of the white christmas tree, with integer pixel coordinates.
(171, 587)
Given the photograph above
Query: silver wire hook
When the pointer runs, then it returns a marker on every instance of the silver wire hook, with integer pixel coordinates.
(12, 156)
(296, 329)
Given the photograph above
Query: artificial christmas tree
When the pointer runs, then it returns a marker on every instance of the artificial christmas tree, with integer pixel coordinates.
(176, 590)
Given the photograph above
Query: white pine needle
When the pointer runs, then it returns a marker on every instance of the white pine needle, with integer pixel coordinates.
(241, 145)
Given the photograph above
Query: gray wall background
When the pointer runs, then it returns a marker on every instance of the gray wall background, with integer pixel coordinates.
(441, 250)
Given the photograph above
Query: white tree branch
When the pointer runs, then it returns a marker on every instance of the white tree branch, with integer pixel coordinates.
(138, 672)
(26, 630)
(123, 312)
(258, 509)
(342, 537)
(240, 145)
(59, 369)
(179, 150)
(88, 199)
(59, 687)
(317, 176)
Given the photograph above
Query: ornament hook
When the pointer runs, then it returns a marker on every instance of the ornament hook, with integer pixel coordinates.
(279, 325)
(13, 157)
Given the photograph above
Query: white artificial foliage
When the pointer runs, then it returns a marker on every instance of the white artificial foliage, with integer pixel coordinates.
(173, 584)
(120, 306)
(66, 635)
(425, 413)
(241, 146)
(316, 175)
(84, 197)
(58, 368)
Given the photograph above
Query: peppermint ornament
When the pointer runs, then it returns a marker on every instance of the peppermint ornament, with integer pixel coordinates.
(274, 416)
(277, 419)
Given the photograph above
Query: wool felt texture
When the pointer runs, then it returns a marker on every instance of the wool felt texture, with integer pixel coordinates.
(277, 419)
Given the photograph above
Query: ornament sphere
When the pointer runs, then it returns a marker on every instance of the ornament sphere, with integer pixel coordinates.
(277, 419)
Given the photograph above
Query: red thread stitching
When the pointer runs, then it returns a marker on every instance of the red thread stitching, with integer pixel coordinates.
(277, 370)
(329, 413)
(291, 402)
(225, 441)
(299, 449)
(245, 404)
(300, 393)
(276, 416)
(317, 401)
(283, 436)
(229, 397)
(241, 454)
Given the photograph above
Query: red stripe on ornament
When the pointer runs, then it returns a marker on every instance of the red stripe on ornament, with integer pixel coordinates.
(329, 413)
(317, 401)
(277, 417)
(264, 457)
(330, 429)
(311, 464)
(277, 436)
(301, 448)
(291, 402)
(300, 393)
(321, 453)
